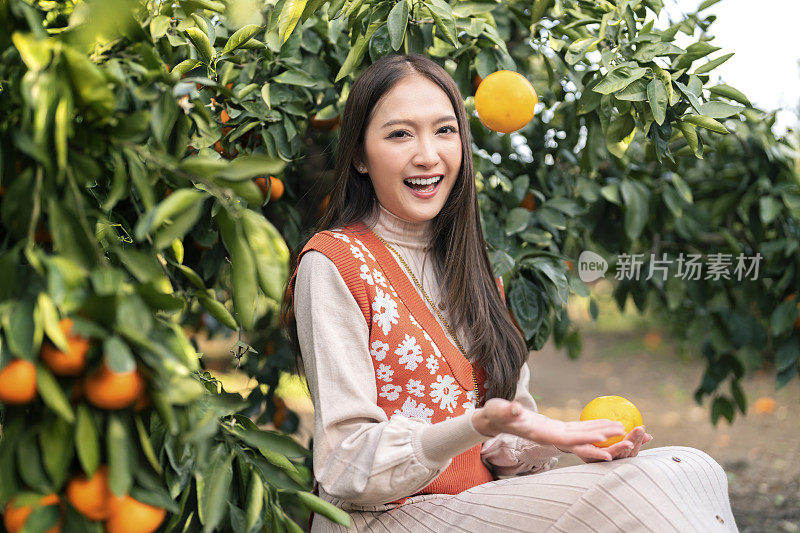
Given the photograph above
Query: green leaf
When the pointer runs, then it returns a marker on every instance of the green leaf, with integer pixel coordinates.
(201, 44)
(524, 301)
(355, 54)
(726, 91)
(118, 355)
(290, 15)
(635, 197)
(787, 353)
(35, 53)
(185, 66)
(295, 77)
(271, 440)
(721, 407)
(714, 63)
(619, 78)
(397, 22)
(657, 96)
(217, 480)
(578, 49)
(443, 18)
(159, 26)
(217, 310)
(620, 134)
(317, 505)
(147, 446)
(120, 458)
(87, 441)
(715, 109)
(49, 315)
(52, 394)
(690, 134)
(705, 122)
(518, 219)
(58, 449)
(241, 36)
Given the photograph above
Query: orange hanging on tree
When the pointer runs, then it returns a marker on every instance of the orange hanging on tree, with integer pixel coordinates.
(18, 382)
(112, 390)
(73, 361)
(505, 101)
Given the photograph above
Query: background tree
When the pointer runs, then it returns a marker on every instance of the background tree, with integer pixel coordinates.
(159, 160)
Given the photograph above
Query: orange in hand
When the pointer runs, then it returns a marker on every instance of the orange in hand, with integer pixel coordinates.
(505, 100)
(614, 408)
(73, 361)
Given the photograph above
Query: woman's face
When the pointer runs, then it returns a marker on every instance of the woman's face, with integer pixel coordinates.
(413, 132)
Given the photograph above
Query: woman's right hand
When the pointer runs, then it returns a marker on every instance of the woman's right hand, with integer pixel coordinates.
(501, 416)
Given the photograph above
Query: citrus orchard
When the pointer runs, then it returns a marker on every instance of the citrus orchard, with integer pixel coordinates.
(614, 408)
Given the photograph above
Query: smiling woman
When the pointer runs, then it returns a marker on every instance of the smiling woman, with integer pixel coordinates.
(419, 377)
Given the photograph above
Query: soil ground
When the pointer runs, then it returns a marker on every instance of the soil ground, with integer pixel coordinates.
(759, 451)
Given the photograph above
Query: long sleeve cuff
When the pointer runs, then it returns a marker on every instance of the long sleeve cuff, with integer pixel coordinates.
(439, 442)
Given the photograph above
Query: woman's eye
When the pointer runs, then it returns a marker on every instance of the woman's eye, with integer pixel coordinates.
(396, 133)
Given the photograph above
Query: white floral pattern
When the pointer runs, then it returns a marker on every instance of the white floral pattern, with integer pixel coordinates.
(414, 320)
(341, 236)
(384, 373)
(357, 253)
(432, 364)
(445, 391)
(410, 352)
(385, 311)
(390, 392)
(378, 350)
(379, 278)
(412, 409)
(415, 387)
(366, 274)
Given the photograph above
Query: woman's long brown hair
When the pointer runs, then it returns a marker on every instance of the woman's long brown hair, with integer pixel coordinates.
(458, 246)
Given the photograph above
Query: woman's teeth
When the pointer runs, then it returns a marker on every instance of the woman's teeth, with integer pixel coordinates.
(424, 185)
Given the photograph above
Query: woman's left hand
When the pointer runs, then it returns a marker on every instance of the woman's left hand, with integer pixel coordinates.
(627, 447)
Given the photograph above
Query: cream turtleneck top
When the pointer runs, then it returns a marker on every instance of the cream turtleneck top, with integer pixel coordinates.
(360, 456)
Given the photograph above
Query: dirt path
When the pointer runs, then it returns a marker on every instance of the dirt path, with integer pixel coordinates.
(760, 452)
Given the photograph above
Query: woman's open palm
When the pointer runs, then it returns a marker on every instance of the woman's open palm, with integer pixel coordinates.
(501, 416)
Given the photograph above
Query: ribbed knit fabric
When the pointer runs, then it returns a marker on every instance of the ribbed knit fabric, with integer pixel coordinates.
(419, 372)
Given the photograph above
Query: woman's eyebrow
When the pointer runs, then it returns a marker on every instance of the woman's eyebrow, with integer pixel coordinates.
(407, 121)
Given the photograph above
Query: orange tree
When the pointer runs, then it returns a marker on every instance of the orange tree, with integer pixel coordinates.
(160, 159)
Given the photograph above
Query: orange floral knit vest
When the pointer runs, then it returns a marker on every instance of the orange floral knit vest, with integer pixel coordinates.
(419, 372)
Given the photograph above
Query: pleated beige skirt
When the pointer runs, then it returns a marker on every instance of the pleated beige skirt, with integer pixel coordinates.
(667, 489)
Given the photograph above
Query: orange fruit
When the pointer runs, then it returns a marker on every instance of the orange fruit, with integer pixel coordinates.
(110, 390)
(505, 100)
(15, 517)
(327, 124)
(73, 361)
(529, 202)
(280, 412)
(18, 382)
(764, 405)
(276, 186)
(91, 496)
(652, 340)
(614, 408)
(224, 117)
(476, 82)
(132, 516)
(323, 206)
(229, 85)
(569, 265)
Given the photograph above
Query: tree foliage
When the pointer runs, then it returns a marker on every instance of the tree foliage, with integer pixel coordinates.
(130, 151)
